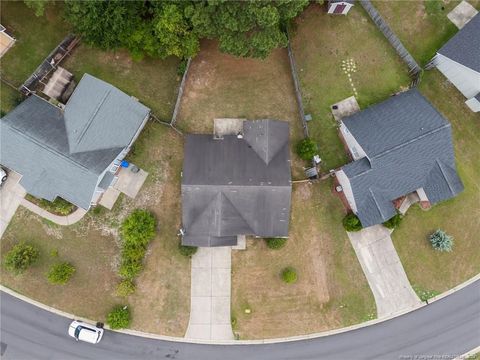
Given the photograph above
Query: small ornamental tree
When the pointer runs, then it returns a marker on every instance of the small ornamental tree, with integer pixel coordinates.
(289, 275)
(187, 251)
(307, 149)
(441, 241)
(138, 228)
(275, 243)
(351, 223)
(119, 317)
(60, 273)
(20, 257)
(394, 222)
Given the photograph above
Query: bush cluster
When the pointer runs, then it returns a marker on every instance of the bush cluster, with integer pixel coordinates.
(289, 275)
(187, 251)
(137, 230)
(125, 288)
(275, 243)
(119, 317)
(20, 257)
(441, 241)
(307, 149)
(351, 223)
(60, 273)
(58, 206)
(394, 222)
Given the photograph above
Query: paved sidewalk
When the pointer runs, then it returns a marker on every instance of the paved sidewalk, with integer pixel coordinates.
(210, 295)
(74, 217)
(384, 271)
(11, 194)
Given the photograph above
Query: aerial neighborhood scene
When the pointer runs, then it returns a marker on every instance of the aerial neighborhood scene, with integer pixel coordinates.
(289, 179)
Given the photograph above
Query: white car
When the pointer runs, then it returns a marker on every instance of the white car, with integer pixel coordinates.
(85, 332)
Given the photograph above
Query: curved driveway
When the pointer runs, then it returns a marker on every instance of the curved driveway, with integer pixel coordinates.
(447, 328)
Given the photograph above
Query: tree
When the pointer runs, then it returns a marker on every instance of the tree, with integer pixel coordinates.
(352, 223)
(441, 241)
(307, 149)
(162, 28)
(119, 317)
(289, 275)
(60, 273)
(38, 6)
(20, 257)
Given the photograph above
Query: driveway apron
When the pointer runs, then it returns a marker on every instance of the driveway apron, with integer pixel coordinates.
(11, 194)
(384, 271)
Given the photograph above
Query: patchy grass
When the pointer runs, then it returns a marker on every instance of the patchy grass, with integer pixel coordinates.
(224, 86)
(320, 43)
(428, 19)
(424, 266)
(160, 303)
(36, 38)
(153, 81)
(331, 290)
(424, 294)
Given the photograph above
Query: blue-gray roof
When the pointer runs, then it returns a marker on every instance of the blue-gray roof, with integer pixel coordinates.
(237, 186)
(35, 142)
(464, 46)
(408, 144)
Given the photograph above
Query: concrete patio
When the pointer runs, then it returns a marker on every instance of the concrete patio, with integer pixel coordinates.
(346, 107)
(462, 14)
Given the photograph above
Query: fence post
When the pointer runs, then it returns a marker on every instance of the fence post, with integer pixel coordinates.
(180, 93)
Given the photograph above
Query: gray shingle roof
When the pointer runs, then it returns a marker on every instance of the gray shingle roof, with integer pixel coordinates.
(35, 142)
(464, 46)
(409, 146)
(237, 186)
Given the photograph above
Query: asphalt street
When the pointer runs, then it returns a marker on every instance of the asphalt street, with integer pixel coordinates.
(442, 330)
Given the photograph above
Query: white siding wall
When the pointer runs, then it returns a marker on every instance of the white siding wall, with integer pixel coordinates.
(466, 80)
(347, 189)
(355, 149)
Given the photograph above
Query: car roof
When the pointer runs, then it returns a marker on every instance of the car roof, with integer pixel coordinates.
(88, 334)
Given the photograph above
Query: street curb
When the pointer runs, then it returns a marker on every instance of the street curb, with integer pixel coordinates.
(248, 342)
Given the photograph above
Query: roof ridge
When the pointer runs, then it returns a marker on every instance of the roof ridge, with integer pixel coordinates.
(431, 132)
(444, 175)
(238, 211)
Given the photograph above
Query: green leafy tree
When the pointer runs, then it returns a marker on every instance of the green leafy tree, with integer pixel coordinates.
(441, 241)
(275, 243)
(289, 275)
(352, 223)
(60, 273)
(119, 317)
(307, 149)
(21, 257)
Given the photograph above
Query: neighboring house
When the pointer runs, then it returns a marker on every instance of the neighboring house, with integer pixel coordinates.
(459, 61)
(339, 7)
(400, 146)
(75, 152)
(237, 185)
(6, 41)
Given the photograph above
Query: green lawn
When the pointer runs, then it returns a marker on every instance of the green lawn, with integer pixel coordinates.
(153, 81)
(425, 267)
(9, 98)
(36, 38)
(320, 43)
(422, 26)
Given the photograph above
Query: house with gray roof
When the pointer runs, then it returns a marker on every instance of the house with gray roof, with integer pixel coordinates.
(400, 146)
(72, 151)
(459, 61)
(237, 184)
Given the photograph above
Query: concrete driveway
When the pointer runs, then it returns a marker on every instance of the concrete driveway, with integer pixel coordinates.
(210, 317)
(11, 195)
(384, 271)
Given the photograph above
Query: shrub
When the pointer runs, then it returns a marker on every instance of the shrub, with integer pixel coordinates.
(351, 222)
(187, 251)
(307, 149)
(394, 222)
(182, 67)
(130, 268)
(289, 275)
(60, 273)
(139, 228)
(441, 241)
(119, 317)
(125, 287)
(58, 206)
(275, 243)
(20, 257)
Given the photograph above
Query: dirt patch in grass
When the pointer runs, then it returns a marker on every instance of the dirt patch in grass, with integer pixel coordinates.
(331, 290)
(425, 267)
(320, 43)
(224, 86)
(161, 301)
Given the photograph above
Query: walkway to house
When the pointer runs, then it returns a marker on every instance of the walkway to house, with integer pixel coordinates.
(70, 219)
(210, 295)
(384, 271)
(11, 195)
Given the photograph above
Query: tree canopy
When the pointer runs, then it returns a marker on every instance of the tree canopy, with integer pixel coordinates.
(163, 28)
